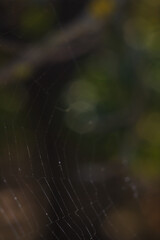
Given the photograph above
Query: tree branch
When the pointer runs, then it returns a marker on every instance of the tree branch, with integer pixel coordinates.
(74, 40)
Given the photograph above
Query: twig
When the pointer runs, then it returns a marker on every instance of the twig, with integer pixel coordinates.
(76, 39)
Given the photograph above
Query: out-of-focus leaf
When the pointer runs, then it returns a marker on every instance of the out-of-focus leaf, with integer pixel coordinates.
(36, 21)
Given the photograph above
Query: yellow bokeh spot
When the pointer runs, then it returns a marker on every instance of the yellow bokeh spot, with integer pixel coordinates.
(101, 8)
(22, 71)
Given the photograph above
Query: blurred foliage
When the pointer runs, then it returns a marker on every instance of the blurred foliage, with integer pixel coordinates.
(110, 80)
(101, 8)
(12, 100)
(36, 21)
(113, 96)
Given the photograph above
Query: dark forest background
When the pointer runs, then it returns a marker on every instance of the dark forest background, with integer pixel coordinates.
(79, 119)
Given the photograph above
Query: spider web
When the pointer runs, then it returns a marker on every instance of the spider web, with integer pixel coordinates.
(54, 184)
